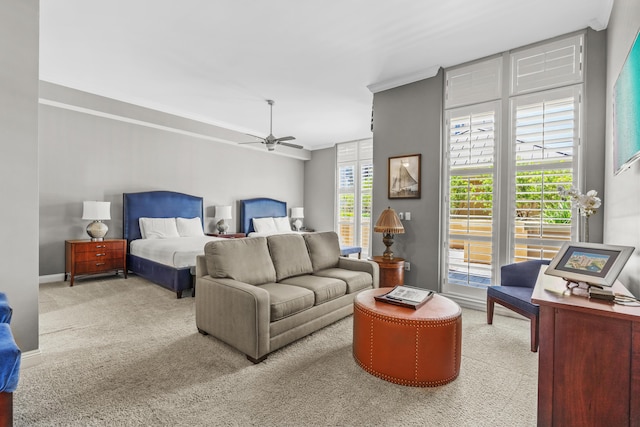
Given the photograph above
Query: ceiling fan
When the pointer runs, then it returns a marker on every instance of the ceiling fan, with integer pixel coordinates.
(271, 141)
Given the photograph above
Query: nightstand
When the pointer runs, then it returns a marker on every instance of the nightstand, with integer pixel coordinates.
(391, 270)
(87, 257)
(228, 235)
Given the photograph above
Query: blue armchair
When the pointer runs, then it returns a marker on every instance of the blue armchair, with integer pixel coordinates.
(516, 286)
(9, 364)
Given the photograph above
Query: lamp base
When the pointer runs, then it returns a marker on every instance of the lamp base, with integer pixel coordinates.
(97, 230)
(222, 227)
(387, 239)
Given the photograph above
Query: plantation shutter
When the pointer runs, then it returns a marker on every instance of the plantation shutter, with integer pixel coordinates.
(545, 129)
(471, 142)
(470, 84)
(547, 66)
(354, 193)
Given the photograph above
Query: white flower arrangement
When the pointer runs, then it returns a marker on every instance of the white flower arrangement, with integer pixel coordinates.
(586, 203)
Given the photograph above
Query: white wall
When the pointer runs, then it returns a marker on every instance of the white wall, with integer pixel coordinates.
(91, 157)
(19, 166)
(622, 192)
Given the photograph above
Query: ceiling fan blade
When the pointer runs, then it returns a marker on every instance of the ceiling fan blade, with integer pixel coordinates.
(290, 145)
(251, 142)
(286, 138)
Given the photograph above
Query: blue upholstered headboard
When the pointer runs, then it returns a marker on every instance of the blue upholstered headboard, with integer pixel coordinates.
(156, 204)
(259, 208)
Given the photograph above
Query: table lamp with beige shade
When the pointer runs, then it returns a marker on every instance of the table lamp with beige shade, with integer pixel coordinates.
(388, 224)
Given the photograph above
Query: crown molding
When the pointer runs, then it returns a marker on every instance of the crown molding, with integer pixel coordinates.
(403, 80)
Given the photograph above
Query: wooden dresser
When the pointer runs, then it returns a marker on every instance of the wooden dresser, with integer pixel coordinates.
(87, 257)
(589, 357)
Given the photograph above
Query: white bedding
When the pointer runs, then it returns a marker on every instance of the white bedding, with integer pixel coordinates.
(271, 233)
(178, 252)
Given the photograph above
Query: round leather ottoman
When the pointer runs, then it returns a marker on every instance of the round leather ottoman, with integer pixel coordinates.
(405, 346)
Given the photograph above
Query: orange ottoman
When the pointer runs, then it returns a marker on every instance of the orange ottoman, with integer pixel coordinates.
(406, 346)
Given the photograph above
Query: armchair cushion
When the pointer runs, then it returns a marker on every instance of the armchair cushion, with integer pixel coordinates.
(521, 274)
(517, 296)
(9, 360)
(5, 309)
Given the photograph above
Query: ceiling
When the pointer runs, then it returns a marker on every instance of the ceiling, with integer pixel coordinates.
(218, 61)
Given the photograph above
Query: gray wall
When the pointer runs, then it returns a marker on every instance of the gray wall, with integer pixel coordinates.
(320, 189)
(19, 22)
(91, 157)
(622, 192)
(407, 120)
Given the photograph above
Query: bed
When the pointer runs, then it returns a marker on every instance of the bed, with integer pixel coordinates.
(261, 207)
(170, 262)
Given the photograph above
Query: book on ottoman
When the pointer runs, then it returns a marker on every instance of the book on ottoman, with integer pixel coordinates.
(406, 296)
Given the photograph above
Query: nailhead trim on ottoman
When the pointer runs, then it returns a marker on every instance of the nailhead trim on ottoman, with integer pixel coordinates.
(405, 346)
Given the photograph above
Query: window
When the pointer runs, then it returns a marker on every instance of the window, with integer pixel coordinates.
(505, 157)
(354, 193)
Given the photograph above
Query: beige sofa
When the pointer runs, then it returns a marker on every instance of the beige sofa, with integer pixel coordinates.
(259, 294)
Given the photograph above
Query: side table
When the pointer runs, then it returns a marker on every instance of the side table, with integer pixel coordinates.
(391, 270)
(228, 235)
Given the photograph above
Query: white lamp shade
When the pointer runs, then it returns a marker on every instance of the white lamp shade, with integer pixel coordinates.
(297, 212)
(223, 212)
(99, 211)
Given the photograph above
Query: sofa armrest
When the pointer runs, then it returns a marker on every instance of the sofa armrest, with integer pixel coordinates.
(201, 266)
(234, 312)
(367, 266)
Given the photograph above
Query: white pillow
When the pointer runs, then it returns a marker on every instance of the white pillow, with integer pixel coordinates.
(282, 223)
(158, 228)
(264, 225)
(189, 227)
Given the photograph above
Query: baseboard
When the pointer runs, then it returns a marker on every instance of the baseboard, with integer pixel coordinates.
(51, 278)
(30, 358)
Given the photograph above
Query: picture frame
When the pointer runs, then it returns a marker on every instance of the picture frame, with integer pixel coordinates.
(403, 177)
(626, 108)
(595, 264)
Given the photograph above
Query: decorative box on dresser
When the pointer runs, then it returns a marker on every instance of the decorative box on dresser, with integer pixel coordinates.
(88, 257)
(589, 357)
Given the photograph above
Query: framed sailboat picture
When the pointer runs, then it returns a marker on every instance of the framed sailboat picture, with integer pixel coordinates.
(404, 177)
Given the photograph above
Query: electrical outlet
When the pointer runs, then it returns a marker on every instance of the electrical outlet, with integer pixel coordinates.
(401, 215)
(407, 266)
(407, 216)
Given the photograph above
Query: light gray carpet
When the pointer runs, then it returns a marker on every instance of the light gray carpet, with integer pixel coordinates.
(127, 353)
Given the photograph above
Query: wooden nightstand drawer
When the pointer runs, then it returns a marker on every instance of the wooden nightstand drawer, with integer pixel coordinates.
(98, 266)
(87, 257)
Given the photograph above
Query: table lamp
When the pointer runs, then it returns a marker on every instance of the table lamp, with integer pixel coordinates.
(223, 212)
(297, 214)
(96, 212)
(388, 224)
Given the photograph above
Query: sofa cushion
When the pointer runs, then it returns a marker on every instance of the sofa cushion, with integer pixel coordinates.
(289, 255)
(356, 280)
(244, 260)
(324, 288)
(324, 249)
(286, 300)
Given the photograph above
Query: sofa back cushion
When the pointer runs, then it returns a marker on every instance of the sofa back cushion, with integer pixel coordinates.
(324, 249)
(244, 260)
(289, 255)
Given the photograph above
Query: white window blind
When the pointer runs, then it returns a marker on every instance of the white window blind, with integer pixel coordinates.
(470, 215)
(354, 193)
(546, 134)
(473, 83)
(502, 203)
(547, 66)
